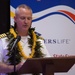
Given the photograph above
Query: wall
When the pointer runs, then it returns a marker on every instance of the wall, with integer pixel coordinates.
(4, 16)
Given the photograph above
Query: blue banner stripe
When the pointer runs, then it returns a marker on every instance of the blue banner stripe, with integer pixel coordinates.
(39, 5)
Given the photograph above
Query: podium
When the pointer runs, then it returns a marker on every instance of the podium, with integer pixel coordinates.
(47, 66)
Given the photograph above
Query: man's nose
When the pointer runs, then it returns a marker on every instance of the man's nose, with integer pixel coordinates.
(26, 20)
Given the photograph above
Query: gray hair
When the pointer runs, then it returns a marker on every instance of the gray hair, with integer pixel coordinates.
(22, 6)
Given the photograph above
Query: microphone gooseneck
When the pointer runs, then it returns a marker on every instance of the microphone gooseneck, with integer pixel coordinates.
(17, 39)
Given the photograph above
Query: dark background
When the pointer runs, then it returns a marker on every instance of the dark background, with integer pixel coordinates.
(4, 16)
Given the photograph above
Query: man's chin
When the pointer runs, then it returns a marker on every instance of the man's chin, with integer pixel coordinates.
(25, 29)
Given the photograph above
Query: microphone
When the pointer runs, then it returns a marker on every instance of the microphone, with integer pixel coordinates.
(18, 38)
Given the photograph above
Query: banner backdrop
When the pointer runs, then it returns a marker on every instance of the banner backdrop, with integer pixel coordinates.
(55, 21)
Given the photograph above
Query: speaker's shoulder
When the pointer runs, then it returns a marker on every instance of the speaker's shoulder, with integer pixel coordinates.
(3, 35)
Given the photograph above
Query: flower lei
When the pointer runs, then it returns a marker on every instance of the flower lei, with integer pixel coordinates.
(20, 47)
(33, 44)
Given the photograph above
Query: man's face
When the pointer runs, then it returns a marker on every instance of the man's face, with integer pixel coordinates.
(23, 19)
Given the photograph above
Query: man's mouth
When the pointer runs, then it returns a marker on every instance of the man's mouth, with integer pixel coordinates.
(25, 25)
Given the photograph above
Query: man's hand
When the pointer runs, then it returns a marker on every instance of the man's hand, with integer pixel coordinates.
(19, 66)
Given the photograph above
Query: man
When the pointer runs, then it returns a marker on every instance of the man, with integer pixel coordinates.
(31, 44)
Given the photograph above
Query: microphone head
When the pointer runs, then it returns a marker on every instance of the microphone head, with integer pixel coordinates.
(18, 38)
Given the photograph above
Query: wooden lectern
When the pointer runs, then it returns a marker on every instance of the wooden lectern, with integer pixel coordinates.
(47, 66)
